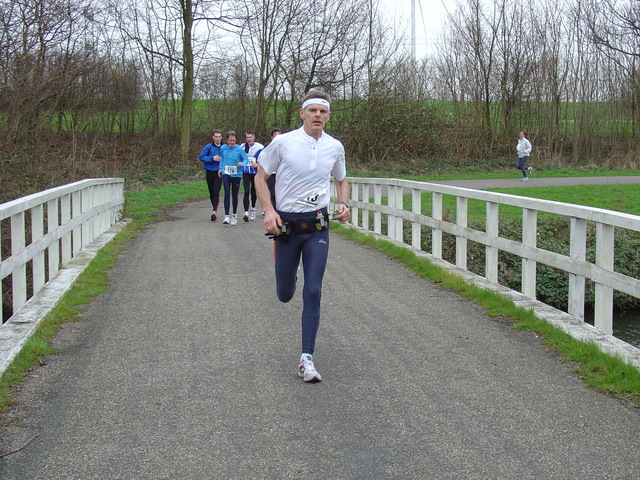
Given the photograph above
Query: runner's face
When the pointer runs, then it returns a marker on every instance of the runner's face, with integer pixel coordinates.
(217, 138)
(231, 141)
(250, 138)
(314, 118)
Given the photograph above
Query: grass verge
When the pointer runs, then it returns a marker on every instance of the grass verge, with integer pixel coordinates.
(143, 208)
(604, 372)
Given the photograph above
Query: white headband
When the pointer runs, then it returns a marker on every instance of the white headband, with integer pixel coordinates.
(316, 101)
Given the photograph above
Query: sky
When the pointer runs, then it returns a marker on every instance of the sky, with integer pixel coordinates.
(429, 20)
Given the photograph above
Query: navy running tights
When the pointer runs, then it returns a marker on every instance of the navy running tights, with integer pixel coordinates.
(233, 184)
(313, 248)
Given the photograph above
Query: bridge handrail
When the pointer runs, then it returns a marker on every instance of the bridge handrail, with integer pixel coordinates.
(59, 223)
(602, 272)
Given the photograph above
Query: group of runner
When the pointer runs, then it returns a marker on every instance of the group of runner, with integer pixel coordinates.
(227, 164)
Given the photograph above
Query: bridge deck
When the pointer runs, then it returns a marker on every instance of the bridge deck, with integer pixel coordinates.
(185, 369)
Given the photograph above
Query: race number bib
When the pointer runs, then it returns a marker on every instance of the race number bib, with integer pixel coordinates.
(251, 162)
(230, 170)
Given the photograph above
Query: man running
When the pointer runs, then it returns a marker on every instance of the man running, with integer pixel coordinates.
(251, 148)
(210, 158)
(303, 161)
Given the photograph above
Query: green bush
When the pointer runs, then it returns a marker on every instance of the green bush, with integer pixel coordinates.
(387, 133)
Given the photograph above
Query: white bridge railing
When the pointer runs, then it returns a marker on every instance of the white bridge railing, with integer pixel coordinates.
(48, 229)
(367, 197)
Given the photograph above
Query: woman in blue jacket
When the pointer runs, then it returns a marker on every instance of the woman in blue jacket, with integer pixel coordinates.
(232, 159)
(210, 158)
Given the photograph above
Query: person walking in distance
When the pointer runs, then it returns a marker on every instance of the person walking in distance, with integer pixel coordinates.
(251, 148)
(210, 157)
(303, 161)
(233, 159)
(524, 153)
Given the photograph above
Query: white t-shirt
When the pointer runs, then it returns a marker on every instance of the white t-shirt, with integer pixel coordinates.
(303, 168)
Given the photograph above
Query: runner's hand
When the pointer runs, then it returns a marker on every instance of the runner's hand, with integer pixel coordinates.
(272, 222)
(344, 213)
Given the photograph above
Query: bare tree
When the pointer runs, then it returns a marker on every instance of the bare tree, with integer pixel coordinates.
(615, 28)
(165, 30)
(43, 50)
(263, 37)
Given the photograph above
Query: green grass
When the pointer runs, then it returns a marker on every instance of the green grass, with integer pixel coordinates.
(138, 115)
(620, 198)
(477, 174)
(599, 370)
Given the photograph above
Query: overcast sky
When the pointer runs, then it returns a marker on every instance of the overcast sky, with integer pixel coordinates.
(429, 20)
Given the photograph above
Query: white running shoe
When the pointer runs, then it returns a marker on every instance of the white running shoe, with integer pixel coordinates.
(234, 219)
(226, 220)
(530, 169)
(525, 179)
(245, 217)
(252, 214)
(307, 370)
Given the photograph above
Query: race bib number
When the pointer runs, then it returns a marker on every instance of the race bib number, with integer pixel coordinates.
(252, 161)
(308, 202)
(230, 170)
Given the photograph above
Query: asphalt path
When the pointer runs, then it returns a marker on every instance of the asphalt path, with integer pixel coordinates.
(186, 369)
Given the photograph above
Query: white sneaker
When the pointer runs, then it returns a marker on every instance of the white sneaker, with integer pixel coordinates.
(530, 169)
(252, 214)
(226, 220)
(525, 179)
(307, 370)
(234, 219)
(245, 217)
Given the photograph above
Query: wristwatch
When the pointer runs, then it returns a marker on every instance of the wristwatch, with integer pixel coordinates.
(346, 205)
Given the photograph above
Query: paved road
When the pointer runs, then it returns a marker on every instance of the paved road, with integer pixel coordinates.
(185, 369)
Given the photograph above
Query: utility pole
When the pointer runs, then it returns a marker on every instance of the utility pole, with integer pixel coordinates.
(413, 29)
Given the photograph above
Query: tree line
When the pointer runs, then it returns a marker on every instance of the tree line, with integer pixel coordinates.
(87, 81)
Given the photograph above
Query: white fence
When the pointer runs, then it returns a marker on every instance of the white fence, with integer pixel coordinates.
(47, 230)
(367, 197)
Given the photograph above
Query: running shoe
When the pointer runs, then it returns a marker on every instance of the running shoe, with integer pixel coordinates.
(307, 370)
(525, 179)
(245, 217)
(252, 214)
(214, 215)
(226, 220)
(530, 169)
(234, 219)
